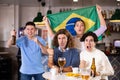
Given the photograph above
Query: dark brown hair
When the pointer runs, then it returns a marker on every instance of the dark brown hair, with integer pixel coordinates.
(70, 42)
(89, 34)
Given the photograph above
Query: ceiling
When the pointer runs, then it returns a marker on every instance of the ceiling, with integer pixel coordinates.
(59, 3)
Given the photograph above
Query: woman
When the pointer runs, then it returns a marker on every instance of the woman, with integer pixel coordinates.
(79, 28)
(63, 47)
(103, 66)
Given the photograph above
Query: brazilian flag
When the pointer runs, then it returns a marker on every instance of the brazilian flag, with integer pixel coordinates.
(67, 19)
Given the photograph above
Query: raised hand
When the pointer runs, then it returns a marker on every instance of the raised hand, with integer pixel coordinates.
(99, 9)
(13, 32)
(45, 20)
(35, 40)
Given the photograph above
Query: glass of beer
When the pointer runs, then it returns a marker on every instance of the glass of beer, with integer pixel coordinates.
(61, 63)
(85, 74)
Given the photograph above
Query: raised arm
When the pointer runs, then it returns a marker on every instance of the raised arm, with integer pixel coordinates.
(50, 57)
(11, 40)
(47, 24)
(103, 27)
(43, 48)
(102, 21)
(51, 62)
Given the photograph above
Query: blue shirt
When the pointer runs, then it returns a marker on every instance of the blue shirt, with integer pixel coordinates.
(30, 55)
(71, 55)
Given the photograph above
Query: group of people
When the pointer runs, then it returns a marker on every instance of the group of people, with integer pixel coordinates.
(78, 50)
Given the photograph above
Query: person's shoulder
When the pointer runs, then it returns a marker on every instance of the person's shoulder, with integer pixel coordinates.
(83, 51)
(56, 49)
(99, 52)
(74, 50)
(40, 38)
(21, 38)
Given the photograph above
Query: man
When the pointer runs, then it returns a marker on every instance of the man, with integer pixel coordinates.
(31, 47)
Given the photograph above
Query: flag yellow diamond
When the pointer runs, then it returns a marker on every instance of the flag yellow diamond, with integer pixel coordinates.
(88, 22)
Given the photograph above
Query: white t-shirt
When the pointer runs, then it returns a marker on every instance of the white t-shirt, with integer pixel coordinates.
(101, 61)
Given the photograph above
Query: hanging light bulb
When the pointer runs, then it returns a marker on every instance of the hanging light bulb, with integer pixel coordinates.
(75, 0)
(38, 19)
(116, 16)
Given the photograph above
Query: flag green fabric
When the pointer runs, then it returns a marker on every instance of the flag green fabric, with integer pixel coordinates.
(88, 15)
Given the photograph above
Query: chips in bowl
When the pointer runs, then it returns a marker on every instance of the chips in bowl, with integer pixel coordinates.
(70, 74)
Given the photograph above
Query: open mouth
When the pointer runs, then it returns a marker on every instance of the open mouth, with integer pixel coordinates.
(79, 30)
(88, 47)
(62, 44)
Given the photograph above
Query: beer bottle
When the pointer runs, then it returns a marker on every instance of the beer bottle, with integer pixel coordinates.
(14, 39)
(93, 68)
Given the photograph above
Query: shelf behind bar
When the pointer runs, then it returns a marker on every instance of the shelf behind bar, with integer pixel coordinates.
(114, 20)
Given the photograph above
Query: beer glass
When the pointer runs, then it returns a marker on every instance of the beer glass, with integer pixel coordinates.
(85, 74)
(61, 63)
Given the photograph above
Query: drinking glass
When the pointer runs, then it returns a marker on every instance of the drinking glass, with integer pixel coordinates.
(61, 63)
(85, 74)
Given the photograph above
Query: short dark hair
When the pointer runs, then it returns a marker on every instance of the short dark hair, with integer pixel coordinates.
(30, 23)
(89, 34)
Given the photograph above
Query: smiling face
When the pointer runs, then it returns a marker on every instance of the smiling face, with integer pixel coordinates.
(62, 40)
(79, 28)
(30, 31)
(89, 43)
